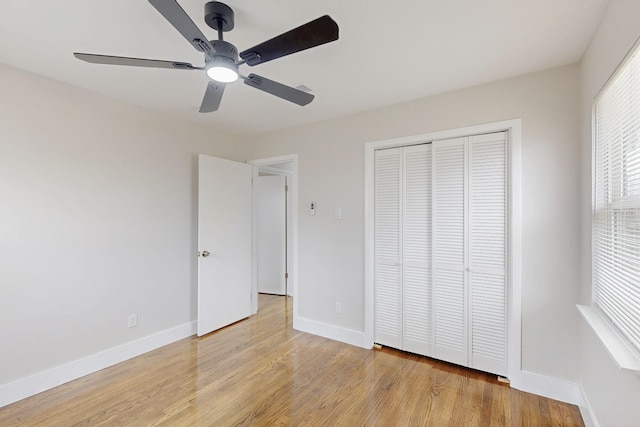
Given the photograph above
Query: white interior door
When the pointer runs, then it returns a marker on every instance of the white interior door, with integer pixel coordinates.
(224, 243)
(272, 233)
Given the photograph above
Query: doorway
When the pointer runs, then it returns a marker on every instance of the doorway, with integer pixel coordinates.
(286, 167)
(271, 207)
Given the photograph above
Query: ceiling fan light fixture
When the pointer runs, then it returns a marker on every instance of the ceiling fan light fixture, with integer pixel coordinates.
(222, 58)
(223, 71)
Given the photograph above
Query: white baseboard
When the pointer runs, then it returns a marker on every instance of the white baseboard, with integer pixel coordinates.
(45, 380)
(553, 388)
(530, 382)
(586, 411)
(542, 385)
(337, 333)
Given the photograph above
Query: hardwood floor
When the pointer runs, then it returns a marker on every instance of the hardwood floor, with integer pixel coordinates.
(260, 372)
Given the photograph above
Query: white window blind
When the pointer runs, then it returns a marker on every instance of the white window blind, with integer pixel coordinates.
(616, 200)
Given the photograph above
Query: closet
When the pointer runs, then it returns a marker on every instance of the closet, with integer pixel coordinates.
(440, 249)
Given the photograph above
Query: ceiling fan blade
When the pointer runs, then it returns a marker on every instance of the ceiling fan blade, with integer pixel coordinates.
(134, 62)
(315, 33)
(177, 17)
(278, 89)
(212, 97)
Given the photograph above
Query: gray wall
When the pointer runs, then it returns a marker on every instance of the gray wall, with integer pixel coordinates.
(613, 395)
(331, 169)
(97, 221)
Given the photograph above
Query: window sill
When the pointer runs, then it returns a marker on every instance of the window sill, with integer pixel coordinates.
(625, 357)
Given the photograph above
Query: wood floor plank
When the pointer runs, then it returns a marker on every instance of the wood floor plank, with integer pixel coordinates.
(261, 372)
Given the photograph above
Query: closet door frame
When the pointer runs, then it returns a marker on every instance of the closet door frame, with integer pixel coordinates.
(514, 289)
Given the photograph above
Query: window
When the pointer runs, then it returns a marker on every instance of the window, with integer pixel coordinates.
(616, 200)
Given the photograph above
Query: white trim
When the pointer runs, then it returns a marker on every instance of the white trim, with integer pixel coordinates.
(515, 245)
(514, 127)
(333, 332)
(274, 170)
(586, 410)
(628, 57)
(266, 164)
(254, 242)
(626, 358)
(270, 161)
(369, 157)
(45, 380)
(550, 387)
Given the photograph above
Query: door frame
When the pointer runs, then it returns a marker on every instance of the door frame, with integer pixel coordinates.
(514, 290)
(268, 165)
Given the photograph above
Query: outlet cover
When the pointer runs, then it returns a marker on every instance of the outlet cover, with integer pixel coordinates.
(132, 320)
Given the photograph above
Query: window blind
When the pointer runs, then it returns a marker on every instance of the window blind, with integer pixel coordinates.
(616, 200)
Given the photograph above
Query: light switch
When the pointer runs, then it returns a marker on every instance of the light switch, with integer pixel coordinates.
(338, 213)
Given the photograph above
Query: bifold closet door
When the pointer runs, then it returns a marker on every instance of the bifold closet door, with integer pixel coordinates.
(487, 252)
(440, 247)
(387, 248)
(417, 303)
(402, 270)
(449, 261)
(469, 251)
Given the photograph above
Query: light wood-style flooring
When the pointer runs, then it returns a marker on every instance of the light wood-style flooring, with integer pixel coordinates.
(260, 372)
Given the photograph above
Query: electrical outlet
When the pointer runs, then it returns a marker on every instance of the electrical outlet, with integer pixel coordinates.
(132, 320)
(339, 308)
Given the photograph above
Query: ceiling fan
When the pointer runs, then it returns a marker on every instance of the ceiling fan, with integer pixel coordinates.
(221, 57)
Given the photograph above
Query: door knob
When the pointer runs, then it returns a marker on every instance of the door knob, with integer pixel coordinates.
(205, 253)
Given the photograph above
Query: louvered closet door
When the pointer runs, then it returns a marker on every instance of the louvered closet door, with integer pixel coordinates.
(449, 207)
(487, 252)
(440, 250)
(387, 248)
(416, 239)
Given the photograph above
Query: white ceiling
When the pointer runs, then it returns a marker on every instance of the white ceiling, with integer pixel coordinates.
(388, 52)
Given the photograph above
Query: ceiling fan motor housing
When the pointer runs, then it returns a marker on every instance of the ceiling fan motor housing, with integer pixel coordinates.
(225, 50)
(218, 16)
